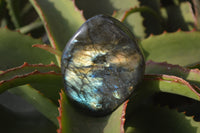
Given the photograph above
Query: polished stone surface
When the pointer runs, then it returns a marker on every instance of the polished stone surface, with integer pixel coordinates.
(101, 65)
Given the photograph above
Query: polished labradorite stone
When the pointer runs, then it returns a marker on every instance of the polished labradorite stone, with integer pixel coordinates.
(101, 65)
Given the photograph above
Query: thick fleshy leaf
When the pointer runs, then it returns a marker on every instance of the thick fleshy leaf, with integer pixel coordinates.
(152, 21)
(15, 49)
(175, 48)
(71, 120)
(142, 114)
(183, 104)
(117, 120)
(49, 49)
(179, 17)
(134, 21)
(39, 80)
(194, 66)
(191, 75)
(197, 12)
(34, 78)
(170, 84)
(27, 68)
(61, 20)
(27, 73)
(13, 9)
(39, 101)
(192, 109)
(151, 119)
(52, 50)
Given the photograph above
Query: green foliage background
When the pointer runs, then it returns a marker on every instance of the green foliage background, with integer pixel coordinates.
(33, 34)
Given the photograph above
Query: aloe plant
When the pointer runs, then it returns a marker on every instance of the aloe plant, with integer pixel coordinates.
(167, 100)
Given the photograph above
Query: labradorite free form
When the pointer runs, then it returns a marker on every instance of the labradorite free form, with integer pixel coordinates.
(101, 65)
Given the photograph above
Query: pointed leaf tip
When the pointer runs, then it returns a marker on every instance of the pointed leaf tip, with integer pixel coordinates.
(60, 113)
(123, 116)
(190, 75)
(63, 12)
(70, 119)
(174, 45)
(24, 53)
(49, 49)
(170, 84)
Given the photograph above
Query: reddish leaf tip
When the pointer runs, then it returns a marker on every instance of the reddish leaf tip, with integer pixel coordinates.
(114, 13)
(164, 32)
(171, 66)
(126, 14)
(123, 116)
(179, 30)
(48, 49)
(151, 35)
(164, 77)
(25, 64)
(46, 24)
(6, 27)
(193, 30)
(18, 31)
(77, 9)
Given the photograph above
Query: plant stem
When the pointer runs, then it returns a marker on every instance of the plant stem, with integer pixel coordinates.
(13, 13)
(140, 9)
(30, 27)
(26, 8)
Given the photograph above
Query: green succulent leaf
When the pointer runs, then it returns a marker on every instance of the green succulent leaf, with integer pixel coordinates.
(44, 78)
(133, 21)
(143, 115)
(197, 12)
(153, 21)
(13, 8)
(15, 49)
(145, 119)
(34, 75)
(191, 75)
(169, 84)
(194, 66)
(61, 20)
(39, 101)
(73, 121)
(26, 69)
(191, 109)
(174, 48)
(179, 17)
(140, 9)
(49, 49)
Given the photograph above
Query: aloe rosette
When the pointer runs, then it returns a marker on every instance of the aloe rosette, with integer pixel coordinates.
(167, 99)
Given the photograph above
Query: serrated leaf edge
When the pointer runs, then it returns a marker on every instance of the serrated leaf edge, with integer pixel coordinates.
(123, 119)
(176, 79)
(78, 10)
(165, 32)
(36, 72)
(169, 66)
(27, 65)
(32, 73)
(46, 26)
(17, 31)
(48, 49)
(59, 118)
